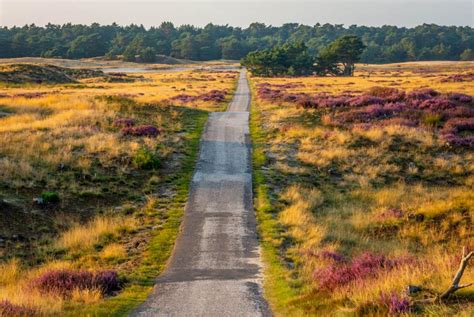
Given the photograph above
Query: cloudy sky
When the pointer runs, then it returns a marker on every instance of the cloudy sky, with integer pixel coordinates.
(238, 13)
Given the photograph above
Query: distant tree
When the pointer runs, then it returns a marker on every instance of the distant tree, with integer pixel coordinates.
(129, 54)
(288, 59)
(148, 55)
(467, 55)
(345, 50)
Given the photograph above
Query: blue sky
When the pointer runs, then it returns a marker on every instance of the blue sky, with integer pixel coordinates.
(238, 13)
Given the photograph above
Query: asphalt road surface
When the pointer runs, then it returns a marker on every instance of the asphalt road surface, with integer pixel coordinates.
(215, 269)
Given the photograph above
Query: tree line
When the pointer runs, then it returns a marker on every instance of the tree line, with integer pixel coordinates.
(383, 44)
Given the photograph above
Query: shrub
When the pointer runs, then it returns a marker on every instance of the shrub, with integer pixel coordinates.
(50, 197)
(462, 98)
(395, 303)
(452, 130)
(9, 309)
(387, 93)
(364, 100)
(141, 130)
(145, 159)
(64, 282)
(364, 266)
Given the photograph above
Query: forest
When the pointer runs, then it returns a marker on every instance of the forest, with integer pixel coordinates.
(383, 44)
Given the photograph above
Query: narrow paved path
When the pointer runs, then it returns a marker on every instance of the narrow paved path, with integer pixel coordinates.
(215, 269)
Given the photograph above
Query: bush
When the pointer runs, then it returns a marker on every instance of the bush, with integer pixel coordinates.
(64, 282)
(145, 159)
(366, 265)
(141, 130)
(50, 197)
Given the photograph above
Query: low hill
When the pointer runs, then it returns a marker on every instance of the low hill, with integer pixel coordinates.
(31, 73)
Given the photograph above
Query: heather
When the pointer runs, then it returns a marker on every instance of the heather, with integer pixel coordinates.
(64, 282)
(94, 176)
(364, 190)
(379, 106)
(9, 309)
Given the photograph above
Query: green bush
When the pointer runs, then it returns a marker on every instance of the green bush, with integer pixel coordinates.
(145, 159)
(50, 197)
(432, 120)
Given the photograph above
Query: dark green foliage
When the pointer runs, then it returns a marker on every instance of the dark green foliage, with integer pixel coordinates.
(338, 58)
(288, 59)
(145, 159)
(384, 44)
(467, 55)
(345, 51)
(50, 197)
(148, 55)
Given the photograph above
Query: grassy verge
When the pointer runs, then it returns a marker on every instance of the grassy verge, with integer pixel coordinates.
(142, 279)
(278, 289)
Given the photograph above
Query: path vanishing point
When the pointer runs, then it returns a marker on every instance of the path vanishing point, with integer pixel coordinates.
(215, 269)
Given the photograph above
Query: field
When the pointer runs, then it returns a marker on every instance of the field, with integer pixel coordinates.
(94, 175)
(364, 189)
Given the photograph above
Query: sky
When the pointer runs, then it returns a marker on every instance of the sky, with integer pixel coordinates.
(238, 13)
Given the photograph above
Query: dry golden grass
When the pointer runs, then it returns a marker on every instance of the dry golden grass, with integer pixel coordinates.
(336, 193)
(85, 236)
(62, 138)
(113, 251)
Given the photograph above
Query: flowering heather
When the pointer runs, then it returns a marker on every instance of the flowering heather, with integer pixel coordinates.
(395, 303)
(334, 256)
(458, 78)
(64, 282)
(124, 122)
(365, 114)
(462, 98)
(141, 130)
(364, 100)
(9, 309)
(213, 95)
(387, 93)
(437, 104)
(452, 131)
(306, 103)
(330, 101)
(364, 266)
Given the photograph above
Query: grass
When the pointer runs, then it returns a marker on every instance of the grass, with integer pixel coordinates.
(327, 194)
(118, 209)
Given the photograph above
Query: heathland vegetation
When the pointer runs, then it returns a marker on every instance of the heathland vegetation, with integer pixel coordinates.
(136, 43)
(94, 175)
(364, 190)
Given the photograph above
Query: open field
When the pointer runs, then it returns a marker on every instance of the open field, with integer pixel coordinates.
(94, 176)
(363, 191)
(164, 63)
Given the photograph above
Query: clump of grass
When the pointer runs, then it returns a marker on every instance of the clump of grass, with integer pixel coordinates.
(50, 197)
(82, 237)
(9, 272)
(145, 159)
(113, 251)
